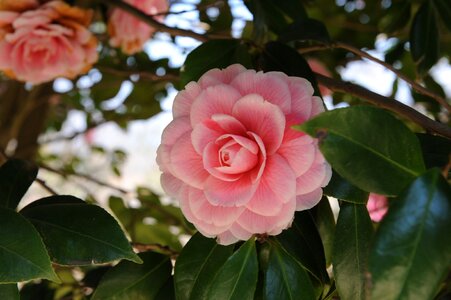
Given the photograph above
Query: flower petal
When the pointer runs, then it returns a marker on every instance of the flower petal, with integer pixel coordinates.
(217, 215)
(218, 99)
(299, 153)
(307, 201)
(317, 107)
(217, 76)
(235, 193)
(186, 163)
(317, 176)
(184, 100)
(301, 97)
(171, 185)
(270, 86)
(263, 118)
(277, 186)
(175, 129)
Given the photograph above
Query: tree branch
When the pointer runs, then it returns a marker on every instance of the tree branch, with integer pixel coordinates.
(160, 26)
(84, 176)
(45, 186)
(145, 75)
(140, 247)
(384, 102)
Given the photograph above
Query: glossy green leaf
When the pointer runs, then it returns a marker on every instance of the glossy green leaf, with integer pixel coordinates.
(369, 147)
(436, 150)
(340, 188)
(443, 9)
(325, 222)
(302, 240)
(9, 292)
(167, 291)
(214, 54)
(412, 247)
(130, 281)
(237, 278)
(424, 38)
(305, 29)
(280, 57)
(350, 252)
(76, 233)
(22, 252)
(285, 277)
(197, 265)
(16, 176)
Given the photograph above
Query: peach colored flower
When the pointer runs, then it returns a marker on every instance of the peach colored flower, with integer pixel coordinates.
(45, 42)
(377, 206)
(128, 32)
(318, 67)
(231, 157)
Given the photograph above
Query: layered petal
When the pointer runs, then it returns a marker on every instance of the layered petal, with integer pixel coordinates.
(217, 76)
(229, 193)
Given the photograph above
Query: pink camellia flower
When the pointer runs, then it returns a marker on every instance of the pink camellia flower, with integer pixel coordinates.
(44, 42)
(377, 206)
(318, 67)
(129, 33)
(232, 159)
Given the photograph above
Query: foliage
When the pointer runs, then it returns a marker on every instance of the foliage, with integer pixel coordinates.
(63, 247)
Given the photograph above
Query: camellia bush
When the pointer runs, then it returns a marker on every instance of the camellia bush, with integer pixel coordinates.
(250, 161)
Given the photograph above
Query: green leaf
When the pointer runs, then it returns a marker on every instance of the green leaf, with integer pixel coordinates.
(9, 292)
(305, 29)
(436, 150)
(107, 88)
(22, 252)
(302, 240)
(340, 188)
(76, 233)
(237, 278)
(424, 38)
(197, 265)
(443, 9)
(350, 252)
(369, 147)
(412, 249)
(285, 277)
(16, 176)
(214, 54)
(167, 292)
(325, 222)
(396, 17)
(129, 281)
(280, 57)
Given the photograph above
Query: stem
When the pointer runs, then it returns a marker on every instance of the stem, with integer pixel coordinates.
(46, 187)
(140, 247)
(385, 102)
(144, 75)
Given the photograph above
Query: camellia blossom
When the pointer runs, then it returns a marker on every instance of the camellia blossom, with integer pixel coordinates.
(319, 68)
(231, 157)
(40, 43)
(128, 32)
(377, 206)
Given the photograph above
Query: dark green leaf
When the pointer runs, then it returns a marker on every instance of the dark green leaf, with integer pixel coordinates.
(129, 281)
(396, 17)
(412, 247)
(214, 54)
(280, 57)
(436, 150)
(107, 88)
(302, 240)
(222, 23)
(285, 277)
(76, 233)
(16, 176)
(369, 147)
(9, 292)
(197, 265)
(167, 291)
(325, 222)
(305, 29)
(43, 290)
(22, 252)
(350, 253)
(237, 278)
(424, 38)
(341, 189)
(443, 9)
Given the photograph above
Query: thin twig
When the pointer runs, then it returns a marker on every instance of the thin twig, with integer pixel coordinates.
(45, 186)
(160, 26)
(140, 247)
(60, 138)
(385, 102)
(417, 87)
(84, 176)
(145, 75)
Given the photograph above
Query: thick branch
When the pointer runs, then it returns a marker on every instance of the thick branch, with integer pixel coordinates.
(384, 102)
(155, 24)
